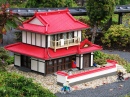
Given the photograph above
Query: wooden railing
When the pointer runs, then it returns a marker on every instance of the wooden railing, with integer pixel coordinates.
(62, 43)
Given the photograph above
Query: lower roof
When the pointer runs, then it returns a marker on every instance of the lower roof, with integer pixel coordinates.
(48, 53)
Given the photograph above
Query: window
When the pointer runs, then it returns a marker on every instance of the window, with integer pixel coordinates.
(70, 36)
(60, 61)
(67, 59)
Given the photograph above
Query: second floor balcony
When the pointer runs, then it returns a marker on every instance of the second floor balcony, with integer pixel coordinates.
(64, 43)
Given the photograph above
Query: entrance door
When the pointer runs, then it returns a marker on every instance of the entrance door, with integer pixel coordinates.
(25, 61)
(86, 60)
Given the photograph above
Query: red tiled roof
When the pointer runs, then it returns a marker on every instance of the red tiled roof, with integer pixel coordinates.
(46, 54)
(54, 22)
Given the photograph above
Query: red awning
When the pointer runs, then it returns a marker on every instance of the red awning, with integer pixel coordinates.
(47, 54)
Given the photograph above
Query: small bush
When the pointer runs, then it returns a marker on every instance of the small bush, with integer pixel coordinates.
(100, 58)
(3, 58)
(3, 65)
(127, 67)
(117, 35)
(10, 60)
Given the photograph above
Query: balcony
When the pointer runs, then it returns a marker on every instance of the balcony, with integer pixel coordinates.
(62, 43)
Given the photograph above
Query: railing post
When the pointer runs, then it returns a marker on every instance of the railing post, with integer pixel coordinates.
(78, 40)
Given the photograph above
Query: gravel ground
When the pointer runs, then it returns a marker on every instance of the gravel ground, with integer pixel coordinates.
(104, 87)
(112, 89)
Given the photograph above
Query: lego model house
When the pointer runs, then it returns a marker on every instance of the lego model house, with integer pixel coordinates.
(51, 42)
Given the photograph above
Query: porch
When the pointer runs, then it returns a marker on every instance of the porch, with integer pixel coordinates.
(62, 43)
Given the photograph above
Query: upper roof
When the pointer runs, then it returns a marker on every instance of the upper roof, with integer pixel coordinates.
(48, 53)
(52, 22)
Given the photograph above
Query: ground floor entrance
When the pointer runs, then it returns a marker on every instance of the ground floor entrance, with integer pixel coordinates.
(86, 60)
(55, 65)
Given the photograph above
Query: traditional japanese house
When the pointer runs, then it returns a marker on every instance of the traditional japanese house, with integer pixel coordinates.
(51, 41)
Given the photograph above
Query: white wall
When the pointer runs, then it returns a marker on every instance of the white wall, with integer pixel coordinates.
(36, 21)
(92, 75)
(76, 33)
(49, 38)
(34, 39)
(38, 40)
(81, 61)
(34, 64)
(17, 60)
(38, 65)
(79, 35)
(41, 66)
(23, 36)
(77, 60)
(43, 41)
(91, 59)
(28, 37)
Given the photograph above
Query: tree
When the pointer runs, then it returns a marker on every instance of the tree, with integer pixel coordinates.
(124, 2)
(8, 20)
(49, 3)
(99, 12)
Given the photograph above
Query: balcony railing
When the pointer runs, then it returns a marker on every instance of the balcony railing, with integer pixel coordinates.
(62, 43)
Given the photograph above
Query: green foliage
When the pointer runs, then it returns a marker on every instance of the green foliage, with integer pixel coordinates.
(100, 11)
(127, 67)
(3, 58)
(124, 2)
(49, 3)
(100, 58)
(126, 20)
(115, 19)
(13, 85)
(3, 65)
(116, 35)
(3, 54)
(10, 60)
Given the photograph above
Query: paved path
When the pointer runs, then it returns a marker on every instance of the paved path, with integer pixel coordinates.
(125, 55)
(116, 89)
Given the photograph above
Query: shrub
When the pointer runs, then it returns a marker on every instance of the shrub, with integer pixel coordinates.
(100, 58)
(10, 60)
(3, 65)
(3, 58)
(14, 85)
(116, 35)
(127, 67)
